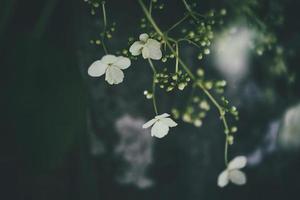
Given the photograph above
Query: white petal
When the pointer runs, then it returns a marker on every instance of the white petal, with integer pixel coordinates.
(153, 44)
(162, 116)
(114, 75)
(122, 62)
(144, 37)
(97, 69)
(154, 49)
(159, 129)
(223, 179)
(145, 52)
(109, 59)
(169, 122)
(155, 54)
(237, 177)
(149, 123)
(238, 162)
(136, 48)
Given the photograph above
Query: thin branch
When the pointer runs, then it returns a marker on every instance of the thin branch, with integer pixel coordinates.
(178, 23)
(190, 42)
(153, 86)
(104, 28)
(177, 56)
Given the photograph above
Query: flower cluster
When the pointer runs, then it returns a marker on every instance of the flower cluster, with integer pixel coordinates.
(194, 113)
(197, 31)
(112, 67)
(171, 81)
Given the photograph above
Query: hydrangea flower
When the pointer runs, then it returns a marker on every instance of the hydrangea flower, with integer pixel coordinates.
(111, 66)
(148, 47)
(161, 125)
(232, 172)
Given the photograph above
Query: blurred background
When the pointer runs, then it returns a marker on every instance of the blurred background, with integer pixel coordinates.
(65, 135)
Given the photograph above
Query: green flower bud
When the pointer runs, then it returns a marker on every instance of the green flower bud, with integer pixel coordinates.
(200, 72)
(233, 129)
(202, 114)
(230, 140)
(223, 11)
(186, 118)
(149, 96)
(197, 122)
(181, 86)
(175, 77)
(208, 85)
(170, 88)
(200, 56)
(191, 34)
(206, 51)
(204, 105)
(175, 113)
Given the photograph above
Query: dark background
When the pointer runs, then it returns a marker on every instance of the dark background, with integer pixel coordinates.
(48, 102)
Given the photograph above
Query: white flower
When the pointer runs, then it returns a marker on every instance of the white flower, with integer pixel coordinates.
(110, 65)
(232, 172)
(161, 125)
(148, 47)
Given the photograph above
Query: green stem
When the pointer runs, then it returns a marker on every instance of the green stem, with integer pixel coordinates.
(191, 12)
(153, 86)
(104, 29)
(104, 15)
(218, 106)
(178, 23)
(226, 151)
(150, 7)
(189, 41)
(223, 118)
(177, 56)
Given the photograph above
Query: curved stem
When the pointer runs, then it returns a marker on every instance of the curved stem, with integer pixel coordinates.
(153, 86)
(220, 108)
(223, 118)
(189, 41)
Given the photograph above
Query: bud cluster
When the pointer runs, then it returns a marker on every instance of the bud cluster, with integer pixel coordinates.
(170, 81)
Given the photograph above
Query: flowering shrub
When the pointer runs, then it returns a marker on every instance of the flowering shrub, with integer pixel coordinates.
(153, 43)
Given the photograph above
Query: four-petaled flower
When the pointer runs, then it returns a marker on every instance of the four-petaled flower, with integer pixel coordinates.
(232, 172)
(161, 125)
(112, 67)
(148, 47)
